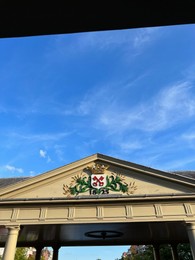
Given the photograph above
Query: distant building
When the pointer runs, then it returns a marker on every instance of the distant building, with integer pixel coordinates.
(46, 253)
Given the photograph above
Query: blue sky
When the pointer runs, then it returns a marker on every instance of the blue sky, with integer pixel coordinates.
(129, 94)
(94, 253)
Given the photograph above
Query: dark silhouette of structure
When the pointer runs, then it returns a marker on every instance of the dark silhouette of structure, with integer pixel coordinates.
(31, 18)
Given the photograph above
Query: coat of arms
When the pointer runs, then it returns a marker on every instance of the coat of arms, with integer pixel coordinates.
(98, 178)
(98, 182)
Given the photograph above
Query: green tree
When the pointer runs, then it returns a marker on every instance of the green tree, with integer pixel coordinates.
(147, 254)
(31, 257)
(184, 252)
(21, 253)
(165, 252)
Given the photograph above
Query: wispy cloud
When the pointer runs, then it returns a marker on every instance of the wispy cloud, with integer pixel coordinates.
(43, 154)
(128, 144)
(32, 173)
(13, 169)
(144, 36)
(38, 137)
(129, 39)
(59, 150)
(178, 164)
(173, 104)
(105, 40)
(189, 136)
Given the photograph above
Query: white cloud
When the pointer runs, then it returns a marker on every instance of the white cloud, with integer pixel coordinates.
(48, 159)
(59, 151)
(144, 36)
(32, 173)
(189, 136)
(188, 139)
(105, 106)
(106, 39)
(170, 106)
(125, 40)
(13, 169)
(42, 153)
(178, 164)
(32, 138)
(175, 103)
(94, 100)
(129, 145)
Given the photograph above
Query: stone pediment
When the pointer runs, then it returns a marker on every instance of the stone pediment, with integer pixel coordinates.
(99, 175)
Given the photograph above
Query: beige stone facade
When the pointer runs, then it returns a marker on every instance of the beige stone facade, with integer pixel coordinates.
(98, 200)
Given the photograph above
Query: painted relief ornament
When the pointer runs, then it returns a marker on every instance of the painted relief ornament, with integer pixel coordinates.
(98, 178)
(98, 183)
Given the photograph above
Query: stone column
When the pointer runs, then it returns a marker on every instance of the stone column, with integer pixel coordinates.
(38, 253)
(156, 252)
(191, 235)
(174, 252)
(11, 242)
(55, 252)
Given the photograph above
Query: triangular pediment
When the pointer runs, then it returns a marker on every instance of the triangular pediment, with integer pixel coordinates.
(99, 175)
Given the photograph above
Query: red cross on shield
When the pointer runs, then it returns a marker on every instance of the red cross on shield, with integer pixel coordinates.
(98, 181)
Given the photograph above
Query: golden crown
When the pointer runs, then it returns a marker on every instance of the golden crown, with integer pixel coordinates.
(98, 168)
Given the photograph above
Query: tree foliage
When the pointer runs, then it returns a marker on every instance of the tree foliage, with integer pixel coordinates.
(21, 253)
(183, 250)
(165, 252)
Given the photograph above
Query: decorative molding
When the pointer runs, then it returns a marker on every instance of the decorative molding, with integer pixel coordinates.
(100, 212)
(129, 211)
(71, 213)
(158, 210)
(188, 210)
(77, 212)
(43, 214)
(15, 214)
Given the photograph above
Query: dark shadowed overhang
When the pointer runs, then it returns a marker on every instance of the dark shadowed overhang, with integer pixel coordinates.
(33, 18)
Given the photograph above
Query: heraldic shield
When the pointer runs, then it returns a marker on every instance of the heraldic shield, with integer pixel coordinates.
(98, 181)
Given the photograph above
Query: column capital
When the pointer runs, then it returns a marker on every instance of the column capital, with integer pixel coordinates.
(13, 227)
(190, 225)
